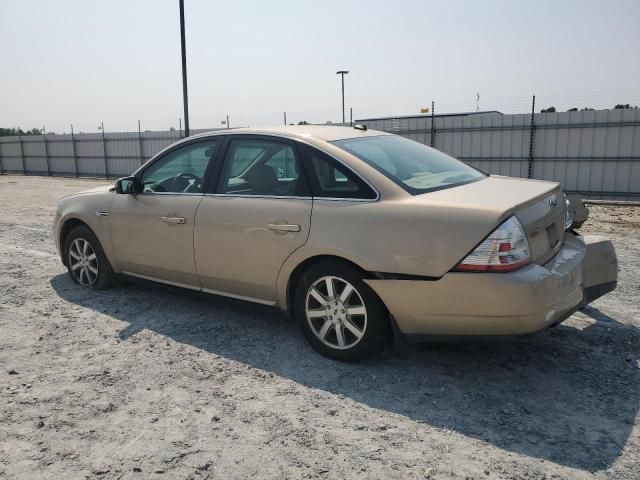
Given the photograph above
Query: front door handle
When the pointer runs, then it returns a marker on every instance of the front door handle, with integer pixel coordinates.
(284, 227)
(174, 220)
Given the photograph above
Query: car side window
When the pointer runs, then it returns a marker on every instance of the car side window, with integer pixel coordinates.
(261, 167)
(180, 171)
(331, 179)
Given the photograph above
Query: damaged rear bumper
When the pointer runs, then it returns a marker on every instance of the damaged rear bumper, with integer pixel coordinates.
(496, 304)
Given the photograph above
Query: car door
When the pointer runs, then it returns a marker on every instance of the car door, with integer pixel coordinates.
(152, 231)
(257, 214)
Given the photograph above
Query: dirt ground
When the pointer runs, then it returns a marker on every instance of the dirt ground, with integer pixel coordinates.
(145, 381)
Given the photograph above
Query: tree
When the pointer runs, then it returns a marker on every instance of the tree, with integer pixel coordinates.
(587, 109)
(574, 109)
(303, 122)
(548, 110)
(10, 132)
(622, 106)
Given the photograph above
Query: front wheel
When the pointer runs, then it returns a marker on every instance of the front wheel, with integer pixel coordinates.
(340, 315)
(85, 259)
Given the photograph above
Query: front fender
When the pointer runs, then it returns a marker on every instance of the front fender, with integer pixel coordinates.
(91, 209)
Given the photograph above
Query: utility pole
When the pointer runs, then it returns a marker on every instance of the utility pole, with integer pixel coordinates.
(184, 71)
(342, 73)
(228, 126)
(285, 119)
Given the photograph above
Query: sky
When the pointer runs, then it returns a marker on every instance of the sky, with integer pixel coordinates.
(84, 62)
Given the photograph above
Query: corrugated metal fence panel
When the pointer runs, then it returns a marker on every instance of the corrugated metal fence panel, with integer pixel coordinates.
(60, 151)
(123, 167)
(62, 166)
(59, 145)
(592, 151)
(10, 155)
(123, 151)
(90, 155)
(153, 142)
(35, 161)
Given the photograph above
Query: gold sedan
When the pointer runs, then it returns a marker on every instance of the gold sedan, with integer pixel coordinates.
(360, 234)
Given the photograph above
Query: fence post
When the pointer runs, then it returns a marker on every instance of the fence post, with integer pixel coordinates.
(104, 152)
(351, 116)
(532, 137)
(46, 150)
(73, 151)
(285, 119)
(140, 144)
(1, 165)
(24, 167)
(433, 126)
(180, 123)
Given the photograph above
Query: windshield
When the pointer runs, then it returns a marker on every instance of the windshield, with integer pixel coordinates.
(412, 165)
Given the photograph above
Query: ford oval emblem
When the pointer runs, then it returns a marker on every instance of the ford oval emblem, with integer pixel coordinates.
(553, 202)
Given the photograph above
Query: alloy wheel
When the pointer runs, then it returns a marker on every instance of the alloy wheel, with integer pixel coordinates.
(336, 312)
(83, 262)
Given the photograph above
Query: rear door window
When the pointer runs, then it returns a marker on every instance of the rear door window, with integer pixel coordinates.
(263, 168)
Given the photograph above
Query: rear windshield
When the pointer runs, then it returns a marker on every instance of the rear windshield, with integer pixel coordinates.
(412, 165)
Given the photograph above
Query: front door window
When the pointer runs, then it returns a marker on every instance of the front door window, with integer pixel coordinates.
(180, 171)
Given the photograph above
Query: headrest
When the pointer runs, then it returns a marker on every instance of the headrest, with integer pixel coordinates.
(262, 179)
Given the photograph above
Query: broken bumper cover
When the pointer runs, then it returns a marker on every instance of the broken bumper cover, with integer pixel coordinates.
(493, 304)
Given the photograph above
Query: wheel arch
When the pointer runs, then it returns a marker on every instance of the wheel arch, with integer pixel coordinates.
(306, 263)
(66, 227)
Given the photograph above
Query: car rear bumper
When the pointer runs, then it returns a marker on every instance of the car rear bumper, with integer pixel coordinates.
(489, 304)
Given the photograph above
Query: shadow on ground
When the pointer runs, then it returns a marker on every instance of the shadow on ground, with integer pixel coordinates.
(569, 395)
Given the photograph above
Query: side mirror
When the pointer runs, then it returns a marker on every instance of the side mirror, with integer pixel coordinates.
(128, 185)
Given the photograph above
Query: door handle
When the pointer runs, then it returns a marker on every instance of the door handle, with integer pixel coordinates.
(283, 227)
(174, 220)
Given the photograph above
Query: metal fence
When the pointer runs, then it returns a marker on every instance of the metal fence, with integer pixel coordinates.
(595, 153)
(104, 155)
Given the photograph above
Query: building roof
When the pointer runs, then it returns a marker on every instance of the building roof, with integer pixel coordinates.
(423, 115)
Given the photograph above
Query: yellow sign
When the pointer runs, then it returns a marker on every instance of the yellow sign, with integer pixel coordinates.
(424, 110)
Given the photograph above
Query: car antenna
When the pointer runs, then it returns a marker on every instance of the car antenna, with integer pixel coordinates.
(360, 127)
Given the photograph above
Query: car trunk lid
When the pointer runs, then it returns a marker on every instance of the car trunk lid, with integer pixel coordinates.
(538, 205)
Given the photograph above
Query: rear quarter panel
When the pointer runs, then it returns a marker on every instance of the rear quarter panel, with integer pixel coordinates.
(402, 236)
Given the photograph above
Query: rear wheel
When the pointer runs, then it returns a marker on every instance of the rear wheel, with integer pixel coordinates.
(340, 315)
(85, 259)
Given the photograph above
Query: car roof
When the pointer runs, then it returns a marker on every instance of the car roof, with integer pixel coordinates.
(327, 133)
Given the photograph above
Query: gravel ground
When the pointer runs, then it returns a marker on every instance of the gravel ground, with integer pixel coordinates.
(145, 381)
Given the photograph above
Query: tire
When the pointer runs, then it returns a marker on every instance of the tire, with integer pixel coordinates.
(81, 246)
(347, 325)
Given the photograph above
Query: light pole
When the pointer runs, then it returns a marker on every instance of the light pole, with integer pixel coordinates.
(342, 73)
(184, 71)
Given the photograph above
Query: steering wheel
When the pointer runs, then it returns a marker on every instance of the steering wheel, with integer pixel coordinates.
(184, 176)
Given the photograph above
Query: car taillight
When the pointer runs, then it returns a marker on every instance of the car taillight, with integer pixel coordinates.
(506, 249)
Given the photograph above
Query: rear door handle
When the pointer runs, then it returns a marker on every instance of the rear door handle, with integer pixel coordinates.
(284, 227)
(174, 220)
